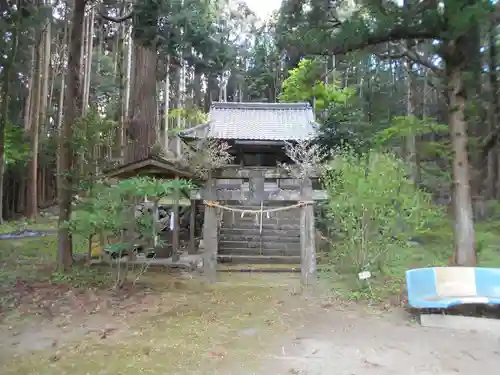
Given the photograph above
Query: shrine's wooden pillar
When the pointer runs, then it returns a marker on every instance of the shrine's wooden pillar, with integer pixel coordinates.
(307, 235)
(210, 233)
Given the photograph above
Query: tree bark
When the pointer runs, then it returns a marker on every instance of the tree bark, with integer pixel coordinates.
(34, 132)
(5, 105)
(71, 114)
(465, 252)
(143, 102)
(411, 140)
(494, 113)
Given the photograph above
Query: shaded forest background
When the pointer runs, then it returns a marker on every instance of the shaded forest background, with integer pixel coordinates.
(79, 80)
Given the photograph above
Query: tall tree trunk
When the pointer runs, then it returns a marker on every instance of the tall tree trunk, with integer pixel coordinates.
(89, 49)
(72, 111)
(411, 142)
(465, 252)
(166, 104)
(126, 88)
(493, 174)
(7, 72)
(47, 43)
(27, 104)
(34, 133)
(60, 105)
(143, 116)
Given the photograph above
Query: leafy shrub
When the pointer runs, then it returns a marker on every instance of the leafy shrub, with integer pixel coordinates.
(112, 207)
(374, 208)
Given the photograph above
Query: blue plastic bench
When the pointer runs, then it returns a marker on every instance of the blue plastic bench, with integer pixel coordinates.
(444, 287)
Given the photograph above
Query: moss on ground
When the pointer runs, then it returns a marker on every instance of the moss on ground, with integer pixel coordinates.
(191, 329)
(186, 327)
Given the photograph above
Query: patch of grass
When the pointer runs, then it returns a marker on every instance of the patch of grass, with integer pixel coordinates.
(192, 329)
(389, 285)
(43, 223)
(32, 259)
(83, 276)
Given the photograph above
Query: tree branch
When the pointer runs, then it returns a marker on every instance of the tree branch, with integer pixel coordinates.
(397, 34)
(116, 19)
(404, 52)
(489, 142)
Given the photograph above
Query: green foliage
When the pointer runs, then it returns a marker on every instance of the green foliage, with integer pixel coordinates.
(404, 126)
(303, 85)
(16, 147)
(337, 110)
(193, 115)
(344, 124)
(92, 131)
(111, 208)
(374, 208)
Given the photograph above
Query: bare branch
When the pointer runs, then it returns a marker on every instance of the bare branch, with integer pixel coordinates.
(206, 155)
(307, 156)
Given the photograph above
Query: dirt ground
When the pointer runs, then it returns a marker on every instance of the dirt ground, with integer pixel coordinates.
(361, 343)
(244, 326)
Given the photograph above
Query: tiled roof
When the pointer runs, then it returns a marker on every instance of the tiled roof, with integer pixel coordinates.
(257, 121)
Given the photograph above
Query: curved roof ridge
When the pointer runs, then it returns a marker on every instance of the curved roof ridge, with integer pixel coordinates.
(257, 121)
(256, 105)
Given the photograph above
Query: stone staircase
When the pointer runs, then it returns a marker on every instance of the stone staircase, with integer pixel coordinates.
(241, 240)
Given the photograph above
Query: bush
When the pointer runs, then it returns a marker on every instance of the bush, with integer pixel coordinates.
(374, 209)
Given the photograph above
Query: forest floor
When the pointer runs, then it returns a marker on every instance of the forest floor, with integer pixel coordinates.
(173, 323)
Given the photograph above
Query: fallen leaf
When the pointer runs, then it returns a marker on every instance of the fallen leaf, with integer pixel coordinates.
(216, 354)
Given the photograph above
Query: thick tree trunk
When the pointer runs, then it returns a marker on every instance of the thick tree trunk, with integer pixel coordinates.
(34, 132)
(465, 252)
(5, 106)
(166, 105)
(143, 108)
(494, 113)
(72, 112)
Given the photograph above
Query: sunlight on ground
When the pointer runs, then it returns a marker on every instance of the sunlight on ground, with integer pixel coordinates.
(191, 328)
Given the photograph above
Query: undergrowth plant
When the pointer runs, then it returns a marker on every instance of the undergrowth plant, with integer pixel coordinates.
(374, 209)
(112, 212)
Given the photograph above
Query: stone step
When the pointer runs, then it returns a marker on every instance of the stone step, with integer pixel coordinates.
(265, 223)
(252, 225)
(271, 268)
(264, 214)
(256, 251)
(255, 243)
(254, 234)
(257, 259)
(271, 220)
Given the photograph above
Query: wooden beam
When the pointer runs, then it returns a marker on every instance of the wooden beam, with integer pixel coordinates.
(148, 166)
(192, 228)
(259, 143)
(274, 195)
(307, 237)
(175, 234)
(210, 236)
(237, 171)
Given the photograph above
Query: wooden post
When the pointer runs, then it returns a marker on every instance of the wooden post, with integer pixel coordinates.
(210, 237)
(192, 228)
(175, 233)
(307, 238)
